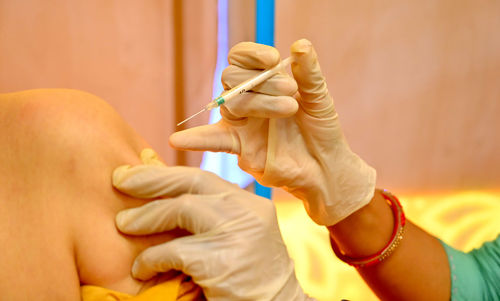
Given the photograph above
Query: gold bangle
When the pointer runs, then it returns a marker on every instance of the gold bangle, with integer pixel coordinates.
(394, 242)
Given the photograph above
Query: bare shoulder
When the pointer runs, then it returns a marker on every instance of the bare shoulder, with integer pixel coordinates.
(57, 205)
(60, 113)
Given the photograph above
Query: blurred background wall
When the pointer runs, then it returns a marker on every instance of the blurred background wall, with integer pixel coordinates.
(416, 85)
(151, 60)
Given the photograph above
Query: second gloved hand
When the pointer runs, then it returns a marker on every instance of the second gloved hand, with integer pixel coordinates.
(236, 251)
(287, 139)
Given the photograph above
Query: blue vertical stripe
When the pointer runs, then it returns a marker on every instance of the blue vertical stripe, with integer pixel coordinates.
(264, 23)
(264, 34)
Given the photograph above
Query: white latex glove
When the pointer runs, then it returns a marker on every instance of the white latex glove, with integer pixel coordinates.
(236, 251)
(301, 149)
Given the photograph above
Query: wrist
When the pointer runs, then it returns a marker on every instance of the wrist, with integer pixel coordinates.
(365, 231)
(389, 247)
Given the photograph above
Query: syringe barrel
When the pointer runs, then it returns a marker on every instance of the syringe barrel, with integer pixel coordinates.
(249, 84)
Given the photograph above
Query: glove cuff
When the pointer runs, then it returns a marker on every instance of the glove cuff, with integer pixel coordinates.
(292, 291)
(333, 204)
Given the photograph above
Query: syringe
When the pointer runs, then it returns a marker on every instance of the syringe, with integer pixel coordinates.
(245, 86)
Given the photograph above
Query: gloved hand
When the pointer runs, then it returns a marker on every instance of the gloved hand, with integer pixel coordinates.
(301, 149)
(236, 251)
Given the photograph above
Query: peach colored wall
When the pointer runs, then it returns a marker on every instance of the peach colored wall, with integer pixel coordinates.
(416, 84)
(137, 55)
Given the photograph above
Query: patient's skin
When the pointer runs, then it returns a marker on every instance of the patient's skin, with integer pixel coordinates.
(57, 205)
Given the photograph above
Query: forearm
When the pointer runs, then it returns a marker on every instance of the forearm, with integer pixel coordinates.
(417, 270)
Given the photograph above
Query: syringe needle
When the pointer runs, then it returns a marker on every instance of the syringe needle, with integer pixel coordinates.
(243, 87)
(192, 116)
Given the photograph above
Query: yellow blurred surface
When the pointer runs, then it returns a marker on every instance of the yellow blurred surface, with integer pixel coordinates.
(464, 220)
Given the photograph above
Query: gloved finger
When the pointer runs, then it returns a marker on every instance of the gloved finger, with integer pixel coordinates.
(251, 55)
(150, 157)
(261, 106)
(315, 99)
(279, 84)
(216, 137)
(154, 217)
(150, 181)
(191, 212)
(172, 255)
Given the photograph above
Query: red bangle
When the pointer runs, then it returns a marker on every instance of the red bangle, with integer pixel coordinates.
(396, 237)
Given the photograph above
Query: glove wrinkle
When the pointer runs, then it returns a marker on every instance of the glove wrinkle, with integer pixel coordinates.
(231, 230)
(305, 153)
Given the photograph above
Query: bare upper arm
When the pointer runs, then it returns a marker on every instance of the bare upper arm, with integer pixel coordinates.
(57, 204)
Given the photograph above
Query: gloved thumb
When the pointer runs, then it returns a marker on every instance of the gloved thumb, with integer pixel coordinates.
(315, 99)
(150, 157)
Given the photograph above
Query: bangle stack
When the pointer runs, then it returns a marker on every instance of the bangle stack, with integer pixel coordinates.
(396, 237)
